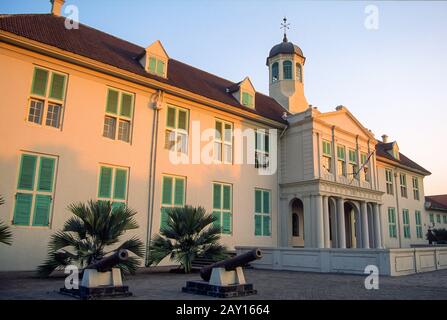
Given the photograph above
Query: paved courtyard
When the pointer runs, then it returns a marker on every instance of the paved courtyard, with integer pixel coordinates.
(270, 285)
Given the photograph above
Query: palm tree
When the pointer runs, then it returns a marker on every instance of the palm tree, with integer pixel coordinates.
(5, 232)
(189, 234)
(87, 236)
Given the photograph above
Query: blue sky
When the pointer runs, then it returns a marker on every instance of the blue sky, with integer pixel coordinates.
(392, 79)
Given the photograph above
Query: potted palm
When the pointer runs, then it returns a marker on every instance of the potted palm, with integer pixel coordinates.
(88, 236)
(190, 233)
(5, 232)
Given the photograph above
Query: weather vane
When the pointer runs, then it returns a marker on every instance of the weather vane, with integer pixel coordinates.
(285, 26)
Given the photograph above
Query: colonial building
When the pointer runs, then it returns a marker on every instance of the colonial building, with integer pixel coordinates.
(85, 115)
(436, 207)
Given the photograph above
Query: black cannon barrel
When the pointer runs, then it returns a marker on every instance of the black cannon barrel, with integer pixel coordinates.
(231, 263)
(107, 263)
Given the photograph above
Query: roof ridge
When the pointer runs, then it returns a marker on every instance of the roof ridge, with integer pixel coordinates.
(80, 23)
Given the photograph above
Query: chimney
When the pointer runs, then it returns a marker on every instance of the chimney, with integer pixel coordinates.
(56, 7)
(385, 138)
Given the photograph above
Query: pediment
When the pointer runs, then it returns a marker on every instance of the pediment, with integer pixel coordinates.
(345, 120)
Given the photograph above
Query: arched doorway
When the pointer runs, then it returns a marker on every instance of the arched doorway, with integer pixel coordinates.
(333, 222)
(297, 225)
(352, 225)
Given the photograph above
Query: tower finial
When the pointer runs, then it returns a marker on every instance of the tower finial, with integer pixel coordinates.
(285, 26)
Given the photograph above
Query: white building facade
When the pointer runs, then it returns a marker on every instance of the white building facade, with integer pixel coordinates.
(95, 122)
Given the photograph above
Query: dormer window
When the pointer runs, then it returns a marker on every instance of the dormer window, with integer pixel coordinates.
(155, 60)
(243, 92)
(275, 72)
(157, 66)
(247, 99)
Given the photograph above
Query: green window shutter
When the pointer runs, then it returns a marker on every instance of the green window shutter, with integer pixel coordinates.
(27, 172)
(40, 80)
(182, 120)
(258, 225)
(160, 68)
(105, 182)
(22, 209)
(152, 64)
(46, 174)
(167, 190)
(112, 101)
(217, 193)
(57, 89)
(266, 202)
(258, 201)
(120, 184)
(216, 215)
(226, 198)
(218, 134)
(126, 105)
(226, 223)
(245, 98)
(42, 209)
(179, 192)
(164, 218)
(170, 121)
(327, 148)
(266, 225)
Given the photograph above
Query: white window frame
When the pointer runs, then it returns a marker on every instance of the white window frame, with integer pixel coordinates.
(47, 100)
(327, 156)
(36, 192)
(112, 183)
(353, 165)
(175, 132)
(262, 214)
(118, 117)
(403, 185)
(221, 143)
(416, 194)
(261, 151)
(389, 181)
(342, 162)
(157, 61)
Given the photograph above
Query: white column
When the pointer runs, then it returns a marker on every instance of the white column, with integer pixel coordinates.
(377, 226)
(319, 221)
(284, 223)
(365, 232)
(326, 226)
(307, 222)
(341, 223)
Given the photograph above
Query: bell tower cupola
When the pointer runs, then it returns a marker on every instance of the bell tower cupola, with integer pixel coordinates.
(286, 74)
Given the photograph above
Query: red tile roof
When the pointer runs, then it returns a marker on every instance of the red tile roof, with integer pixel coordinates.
(438, 202)
(382, 151)
(105, 48)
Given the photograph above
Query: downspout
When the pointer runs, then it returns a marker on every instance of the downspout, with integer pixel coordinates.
(397, 209)
(279, 242)
(156, 104)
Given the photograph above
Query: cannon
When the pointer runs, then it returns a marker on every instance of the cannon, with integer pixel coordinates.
(101, 279)
(107, 263)
(231, 263)
(225, 279)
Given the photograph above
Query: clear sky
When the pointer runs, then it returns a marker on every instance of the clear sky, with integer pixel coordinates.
(393, 79)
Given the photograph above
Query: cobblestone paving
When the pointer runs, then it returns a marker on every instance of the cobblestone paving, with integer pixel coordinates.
(270, 285)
